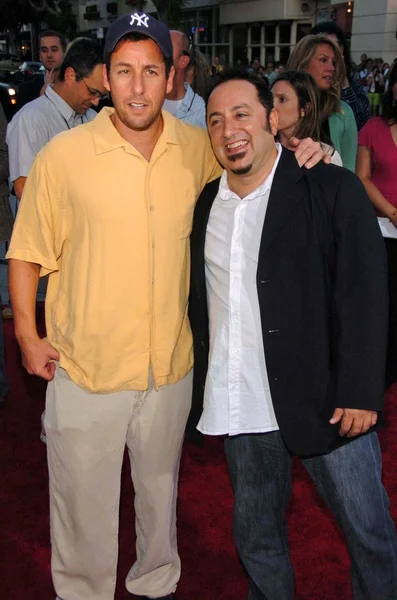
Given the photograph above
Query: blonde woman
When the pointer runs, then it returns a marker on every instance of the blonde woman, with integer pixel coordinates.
(320, 56)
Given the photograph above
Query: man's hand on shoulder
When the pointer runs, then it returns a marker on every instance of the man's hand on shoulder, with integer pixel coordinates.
(307, 152)
(353, 421)
(38, 356)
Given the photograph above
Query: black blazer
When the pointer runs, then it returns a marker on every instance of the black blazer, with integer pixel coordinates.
(322, 290)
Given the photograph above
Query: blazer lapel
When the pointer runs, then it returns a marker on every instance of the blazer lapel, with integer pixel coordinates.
(287, 190)
(197, 237)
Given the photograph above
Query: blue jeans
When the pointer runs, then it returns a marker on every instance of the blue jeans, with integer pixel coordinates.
(348, 479)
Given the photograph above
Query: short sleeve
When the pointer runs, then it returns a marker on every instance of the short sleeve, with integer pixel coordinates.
(365, 135)
(26, 136)
(39, 230)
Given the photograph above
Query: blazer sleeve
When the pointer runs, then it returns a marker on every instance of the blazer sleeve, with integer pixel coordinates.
(359, 301)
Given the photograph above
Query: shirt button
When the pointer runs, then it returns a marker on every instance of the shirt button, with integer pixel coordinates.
(153, 245)
(151, 207)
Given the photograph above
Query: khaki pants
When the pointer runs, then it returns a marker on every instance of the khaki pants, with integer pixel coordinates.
(86, 438)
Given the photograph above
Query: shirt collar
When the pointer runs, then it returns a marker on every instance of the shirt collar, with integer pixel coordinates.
(107, 138)
(66, 111)
(187, 99)
(225, 193)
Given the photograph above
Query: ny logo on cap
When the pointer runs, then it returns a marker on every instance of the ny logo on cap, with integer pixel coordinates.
(139, 20)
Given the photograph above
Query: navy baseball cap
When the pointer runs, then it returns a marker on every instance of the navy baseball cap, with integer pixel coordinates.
(139, 23)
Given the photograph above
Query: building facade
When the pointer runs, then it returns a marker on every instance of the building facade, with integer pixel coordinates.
(375, 29)
(241, 30)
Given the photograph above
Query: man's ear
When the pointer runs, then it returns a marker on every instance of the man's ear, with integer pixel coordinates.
(70, 75)
(273, 121)
(170, 80)
(184, 61)
(105, 78)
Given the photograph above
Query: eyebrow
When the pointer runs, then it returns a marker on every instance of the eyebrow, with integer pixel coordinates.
(126, 64)
(237, 107)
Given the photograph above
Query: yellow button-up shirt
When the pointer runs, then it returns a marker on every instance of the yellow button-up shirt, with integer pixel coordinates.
(112, 230)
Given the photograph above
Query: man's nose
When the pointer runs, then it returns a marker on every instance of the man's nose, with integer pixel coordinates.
(137, 84)
(228, 128)
(95, 101)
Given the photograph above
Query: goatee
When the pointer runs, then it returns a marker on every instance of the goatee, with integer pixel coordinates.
(242, 171)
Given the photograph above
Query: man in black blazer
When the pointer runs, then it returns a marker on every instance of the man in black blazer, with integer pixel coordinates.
(288, 309)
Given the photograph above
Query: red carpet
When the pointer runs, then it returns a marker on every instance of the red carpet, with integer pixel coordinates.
(211, 570)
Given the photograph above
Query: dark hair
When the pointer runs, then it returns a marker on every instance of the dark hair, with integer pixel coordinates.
(234, 74)
(53, 33)
(331, 28)
(83, 56)
(389, 103)
(308, 96)
(137, 37)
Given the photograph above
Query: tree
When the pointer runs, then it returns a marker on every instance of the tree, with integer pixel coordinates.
(57, 14)
(14, 14)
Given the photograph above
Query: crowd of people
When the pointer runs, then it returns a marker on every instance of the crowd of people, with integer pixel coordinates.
(223, 218)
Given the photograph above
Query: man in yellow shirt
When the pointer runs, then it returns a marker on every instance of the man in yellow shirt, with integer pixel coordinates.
(107, 212)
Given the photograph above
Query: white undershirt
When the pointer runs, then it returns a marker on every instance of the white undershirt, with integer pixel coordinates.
(237, 396)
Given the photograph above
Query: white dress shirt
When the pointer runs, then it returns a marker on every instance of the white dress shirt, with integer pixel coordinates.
(237, 395)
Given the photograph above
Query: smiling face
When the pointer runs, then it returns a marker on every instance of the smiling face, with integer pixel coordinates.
(286, 104)
(138, 83)
(242, 135)
(322, 66)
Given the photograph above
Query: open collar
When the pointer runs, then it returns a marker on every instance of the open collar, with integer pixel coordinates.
(63, 107)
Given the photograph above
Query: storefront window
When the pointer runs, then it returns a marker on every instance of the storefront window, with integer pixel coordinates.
(270, 52)
(256, 33)
(285, 33)
(302, 30)
(240, 44)
(285, 52)
(270, 34)
(223, 34)
(205, 34)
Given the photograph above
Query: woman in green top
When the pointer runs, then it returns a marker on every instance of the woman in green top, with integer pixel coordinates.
(319, 56)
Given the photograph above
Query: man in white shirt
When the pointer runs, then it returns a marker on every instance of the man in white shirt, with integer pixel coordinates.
(287, 267)
(182, 102)
(62, 106)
